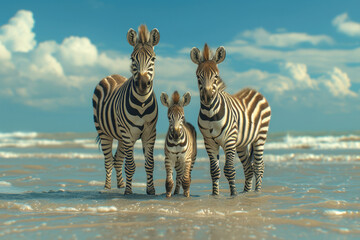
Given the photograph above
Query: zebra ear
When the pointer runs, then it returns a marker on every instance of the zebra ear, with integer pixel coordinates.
(154, 37)
(164, 98)
(195, 55)
(220, 55)
(131, 37)
(186, 99)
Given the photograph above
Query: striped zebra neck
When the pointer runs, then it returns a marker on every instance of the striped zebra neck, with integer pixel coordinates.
(215, 111)
(214, 107)
(138, 98)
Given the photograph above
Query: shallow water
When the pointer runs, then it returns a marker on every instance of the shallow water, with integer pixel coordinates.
(51, 187)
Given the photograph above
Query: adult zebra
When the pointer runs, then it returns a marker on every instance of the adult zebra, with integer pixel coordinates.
(238, 123)
(126, 110)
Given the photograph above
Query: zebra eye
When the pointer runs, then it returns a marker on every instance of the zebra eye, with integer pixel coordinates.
(153, 59)
(199, 82)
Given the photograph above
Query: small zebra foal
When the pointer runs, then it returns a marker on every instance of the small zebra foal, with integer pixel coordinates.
(180, 145)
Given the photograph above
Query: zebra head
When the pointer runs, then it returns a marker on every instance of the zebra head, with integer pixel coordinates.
(207, 73)
(143, 57)
(176, 114)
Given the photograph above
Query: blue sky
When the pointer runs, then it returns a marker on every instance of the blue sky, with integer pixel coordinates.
(304, 56)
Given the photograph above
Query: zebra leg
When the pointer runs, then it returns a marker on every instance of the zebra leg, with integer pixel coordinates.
(258, 163)
(106, 146)
(118, 163)
(229, 170)
(169, 177)
(245, 157)
(212, 150)
(129, 168)
(186, 179)
(148, 149)
(179, 173)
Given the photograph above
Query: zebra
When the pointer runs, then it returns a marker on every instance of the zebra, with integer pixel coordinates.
(238, 123)
(127, 110)
(180, 144)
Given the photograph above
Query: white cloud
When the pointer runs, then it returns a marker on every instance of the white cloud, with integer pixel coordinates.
(43, 65)
(115, 63)
(320, 60)
(17, 35)
(5, 60)
(262, 37)
(343, 24)
(299, 73)
(4, 53)
(78, 51)
(271, 83)
(339, 84)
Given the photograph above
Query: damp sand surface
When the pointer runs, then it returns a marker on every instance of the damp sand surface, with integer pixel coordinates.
(51, 187)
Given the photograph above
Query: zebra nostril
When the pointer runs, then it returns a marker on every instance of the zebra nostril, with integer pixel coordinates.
(148, 83)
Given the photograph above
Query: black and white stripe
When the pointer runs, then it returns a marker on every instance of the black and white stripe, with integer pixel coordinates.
(238, 123)
(126, 110)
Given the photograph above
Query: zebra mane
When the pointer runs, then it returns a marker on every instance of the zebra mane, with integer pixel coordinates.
(175, 97)
(206, 53)
(144, 34)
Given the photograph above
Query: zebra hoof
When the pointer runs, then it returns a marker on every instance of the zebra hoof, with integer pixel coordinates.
(150, 191)
(186, 194)
(233, 193)
(168, 195)
(107, 187)
(128, 192)
(121, 185)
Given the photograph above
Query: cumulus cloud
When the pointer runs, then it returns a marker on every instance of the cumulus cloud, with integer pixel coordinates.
(299, 74)
(17, 35)
(4, 53)
(262, 37)
(78, 51)
(48, 75)
(320, 60)
(5, 60)
(43, 65)
(114, 62)
(339, 84)
(344, 25)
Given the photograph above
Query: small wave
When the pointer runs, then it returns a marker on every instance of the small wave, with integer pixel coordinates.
(5, 184)
(319, 142)
(66, 209)
(103, 209)
(308, 157)
(20, 135)
(20, 206)
(96, 183)
(341, 213)
(51, 155)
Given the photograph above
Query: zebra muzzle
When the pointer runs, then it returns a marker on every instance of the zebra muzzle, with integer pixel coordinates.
(143, 82)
